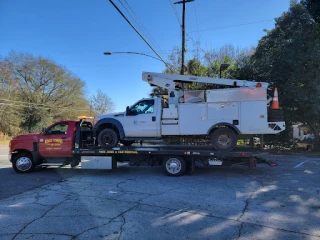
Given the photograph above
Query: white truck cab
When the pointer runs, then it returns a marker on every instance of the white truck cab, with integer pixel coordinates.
(218, 114)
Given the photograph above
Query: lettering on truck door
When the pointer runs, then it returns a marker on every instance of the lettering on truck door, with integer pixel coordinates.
(56, 141)
(142, 120)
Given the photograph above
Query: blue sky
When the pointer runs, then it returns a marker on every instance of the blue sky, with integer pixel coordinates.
(75, 33)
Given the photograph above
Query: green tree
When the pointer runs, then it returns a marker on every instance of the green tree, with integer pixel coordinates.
(288, 58)
(44, 91)
(313, 7)
(208, 65)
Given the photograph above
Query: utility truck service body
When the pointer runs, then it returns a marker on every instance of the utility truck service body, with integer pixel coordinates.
(218, 114)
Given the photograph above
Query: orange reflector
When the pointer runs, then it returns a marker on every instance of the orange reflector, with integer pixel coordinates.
(242, 154)
(259, 84)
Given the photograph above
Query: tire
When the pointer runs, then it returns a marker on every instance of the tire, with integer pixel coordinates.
(127, 143)
(174, 166)
(108, 138)
(23, 163)
(74, 163)
(309, 148)
(224, 139)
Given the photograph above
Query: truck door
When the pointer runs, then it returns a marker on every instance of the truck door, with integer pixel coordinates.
(56, 141)
(142, 120)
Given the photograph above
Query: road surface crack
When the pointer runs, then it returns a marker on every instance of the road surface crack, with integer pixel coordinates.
(28, 224)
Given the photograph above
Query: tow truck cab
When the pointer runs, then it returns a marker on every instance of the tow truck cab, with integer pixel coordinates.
(52, 146)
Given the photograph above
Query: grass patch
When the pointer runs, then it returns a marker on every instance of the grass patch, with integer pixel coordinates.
(4, 142)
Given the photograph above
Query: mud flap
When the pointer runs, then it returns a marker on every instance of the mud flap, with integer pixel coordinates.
(252, 163)
(191, 166)
(260, 159)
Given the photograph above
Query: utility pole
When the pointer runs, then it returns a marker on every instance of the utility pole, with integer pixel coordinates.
(183, 32)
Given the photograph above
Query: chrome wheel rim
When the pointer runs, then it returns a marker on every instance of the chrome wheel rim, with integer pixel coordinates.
(173, 165)
(24, 164)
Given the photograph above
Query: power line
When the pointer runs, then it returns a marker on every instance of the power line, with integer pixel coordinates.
(141, 25)
(230, 26)
(188, 18)
(195, 42)
(115, 6)
(35, 105)
(110, 65)
(189, 27)
(175, 12)
(23, 106)
(195, 13)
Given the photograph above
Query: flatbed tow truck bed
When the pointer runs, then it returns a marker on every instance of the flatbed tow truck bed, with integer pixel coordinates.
(52, 148)
(175, 159)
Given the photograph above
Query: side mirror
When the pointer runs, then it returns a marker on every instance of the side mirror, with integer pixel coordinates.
(127, 111)
(43, 130)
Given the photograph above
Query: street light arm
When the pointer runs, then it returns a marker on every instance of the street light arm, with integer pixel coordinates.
(110, 53)
(159, 59)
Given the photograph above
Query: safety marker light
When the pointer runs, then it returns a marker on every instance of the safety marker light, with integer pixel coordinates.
(242, 154)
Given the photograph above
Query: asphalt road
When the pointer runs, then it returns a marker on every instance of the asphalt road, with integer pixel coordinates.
(12, 183)
(280, 202)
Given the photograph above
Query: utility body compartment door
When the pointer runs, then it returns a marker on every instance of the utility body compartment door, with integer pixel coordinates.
(57, 140)
(143, 119)
(254, 118)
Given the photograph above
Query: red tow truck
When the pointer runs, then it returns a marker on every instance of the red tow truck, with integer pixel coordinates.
(71, 142)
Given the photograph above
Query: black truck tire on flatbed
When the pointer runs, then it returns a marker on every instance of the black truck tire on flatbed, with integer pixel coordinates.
(224, 139)
(174, 165)
(108, 138)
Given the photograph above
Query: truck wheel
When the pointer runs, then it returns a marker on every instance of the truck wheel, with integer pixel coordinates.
(174, 166)
(127, 143)
(108, 138)
(74, 163)
(224, 139)
(23, 163)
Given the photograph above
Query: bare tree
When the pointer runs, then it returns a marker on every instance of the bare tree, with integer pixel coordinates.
(101, 103)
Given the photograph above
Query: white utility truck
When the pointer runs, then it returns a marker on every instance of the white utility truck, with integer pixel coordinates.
(217, 115)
